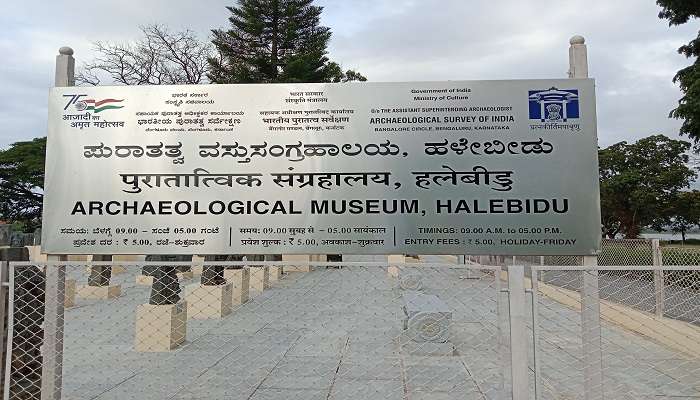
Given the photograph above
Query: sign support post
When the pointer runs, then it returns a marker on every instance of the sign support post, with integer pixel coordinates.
(54, 294)
(520, 372)
(590, 293)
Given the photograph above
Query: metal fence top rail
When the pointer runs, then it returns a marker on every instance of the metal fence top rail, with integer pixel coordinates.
(360, 264)
(615, 267)
(252, 263)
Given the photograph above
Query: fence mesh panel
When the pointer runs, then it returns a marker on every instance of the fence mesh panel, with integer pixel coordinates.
(25, 347)
(626, 252)
(650, 330)
(434, 329)
(174, 332)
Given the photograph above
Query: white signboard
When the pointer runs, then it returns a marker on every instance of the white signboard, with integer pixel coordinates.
(475, 167)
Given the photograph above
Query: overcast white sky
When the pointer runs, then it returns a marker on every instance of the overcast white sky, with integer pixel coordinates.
(632, 54)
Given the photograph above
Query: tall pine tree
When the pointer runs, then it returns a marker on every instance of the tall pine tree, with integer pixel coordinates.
(273, 41)
(679, 12)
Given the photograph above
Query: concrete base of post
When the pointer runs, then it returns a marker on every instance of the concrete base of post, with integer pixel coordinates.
(207, 302)
(240, 279)
(99, 292)
(275, 273)
(160, 328)
(259, 280)
(69, 298)
(120, 269)
(197, 265)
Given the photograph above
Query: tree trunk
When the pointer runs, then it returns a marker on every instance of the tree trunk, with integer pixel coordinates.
(630, 228)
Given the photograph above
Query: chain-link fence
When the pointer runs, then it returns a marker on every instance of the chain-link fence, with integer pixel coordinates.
(433, 329)
(214, 331)
(665, 291)
(650, 307)
(641, 355)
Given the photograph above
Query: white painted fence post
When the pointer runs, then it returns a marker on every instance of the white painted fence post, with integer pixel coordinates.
(503, 328)
(54, 294)
(590, 293)
(52, 346)
(659, 293)
(520, 372)
(590, 332)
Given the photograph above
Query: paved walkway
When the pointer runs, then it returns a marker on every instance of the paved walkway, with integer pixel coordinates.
(337, 334)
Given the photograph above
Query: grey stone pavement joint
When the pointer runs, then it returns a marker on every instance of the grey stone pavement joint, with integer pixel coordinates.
(337, 334)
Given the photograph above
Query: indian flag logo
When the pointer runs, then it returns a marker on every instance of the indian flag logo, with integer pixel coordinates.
(97, 106)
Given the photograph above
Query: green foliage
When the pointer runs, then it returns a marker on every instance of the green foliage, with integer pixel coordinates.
(684, 212)
(271, 41)
(22, 182)
(679, 12)
(350, 75)
(639, 182)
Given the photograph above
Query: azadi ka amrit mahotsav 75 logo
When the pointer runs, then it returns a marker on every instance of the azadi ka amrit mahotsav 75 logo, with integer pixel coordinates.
(94, 105)
(554, 105)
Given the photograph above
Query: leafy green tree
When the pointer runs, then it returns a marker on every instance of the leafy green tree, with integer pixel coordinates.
(271, 41)
(679, 12)
(639, 182)
(22, 183)
(684, 213)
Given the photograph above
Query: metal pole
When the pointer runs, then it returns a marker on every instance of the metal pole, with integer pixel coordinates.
(659, 294)
(54, 294)
(520, 371)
